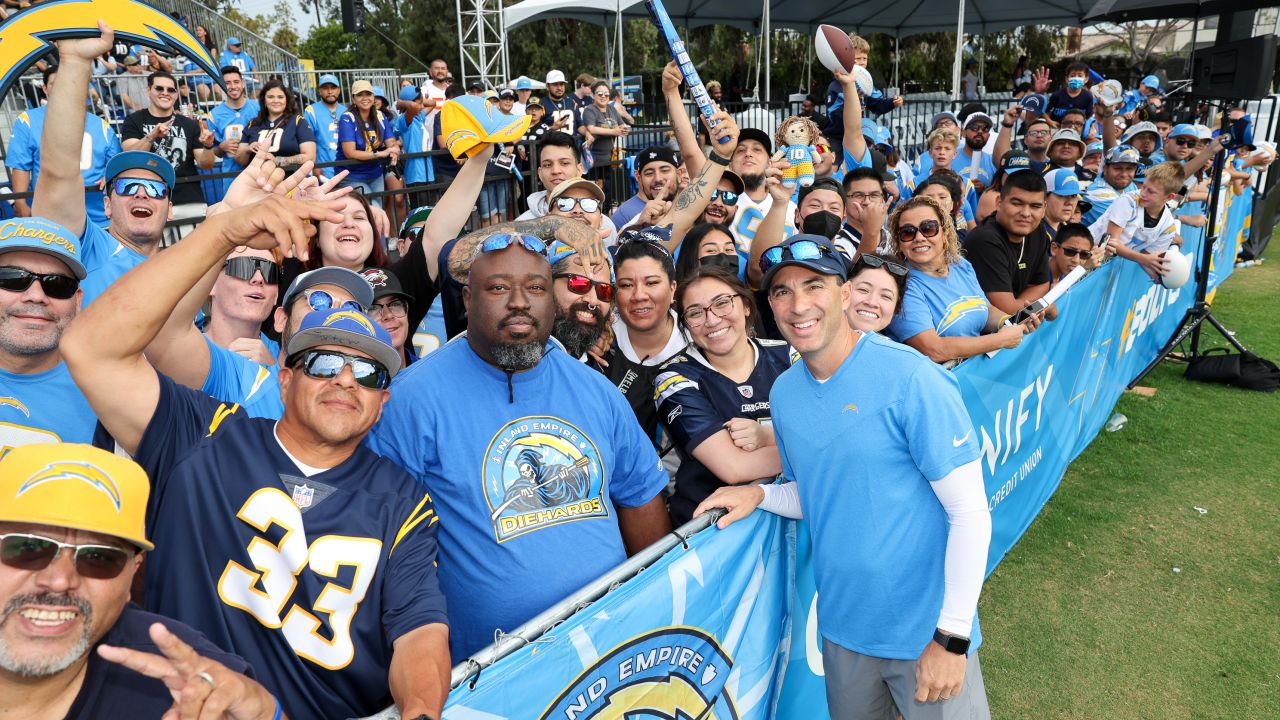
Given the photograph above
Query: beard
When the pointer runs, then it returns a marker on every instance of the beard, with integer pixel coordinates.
(516, 356)
(47, 666)
(753, 182)
(39, 346)
(974, 144)
(577, 336)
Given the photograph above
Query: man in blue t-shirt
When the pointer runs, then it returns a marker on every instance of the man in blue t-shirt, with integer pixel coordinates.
(411, 126)
(543, 461)
(235, 56)
(898, 565)
(323, 116)
(352, 552)
(101, 656)
(23, 155)
(229, 120)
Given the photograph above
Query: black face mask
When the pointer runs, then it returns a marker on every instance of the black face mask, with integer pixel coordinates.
(823, 223)
(721, 260)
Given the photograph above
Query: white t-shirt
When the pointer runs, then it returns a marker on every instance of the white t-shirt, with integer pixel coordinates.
(429, 90)
(747, 218)
(1128, 214)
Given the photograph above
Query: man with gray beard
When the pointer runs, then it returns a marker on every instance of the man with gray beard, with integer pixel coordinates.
(515, 438)
(71, 643)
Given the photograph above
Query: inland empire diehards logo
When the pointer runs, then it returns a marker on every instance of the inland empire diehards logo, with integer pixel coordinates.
(541, 471)
(674, 673)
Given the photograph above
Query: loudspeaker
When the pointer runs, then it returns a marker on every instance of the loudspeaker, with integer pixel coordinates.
(353, 16)
(1237, 70)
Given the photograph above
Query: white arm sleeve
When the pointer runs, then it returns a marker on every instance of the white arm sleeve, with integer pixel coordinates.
(963, 496)
(784, 499)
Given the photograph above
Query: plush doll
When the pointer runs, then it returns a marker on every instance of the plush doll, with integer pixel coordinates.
(796, 138)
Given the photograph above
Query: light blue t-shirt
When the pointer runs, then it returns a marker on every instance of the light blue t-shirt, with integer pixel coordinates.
(106, 260)
(524, 474)
(969, 207)
(235, 378)
(1101, 195)
(241, 60)
(961, 164)
(229, 121)
(325, 125)
(414, 135)
(863, 448)
(848, 163)
(952, 306)
(43, 408)
(101, 143)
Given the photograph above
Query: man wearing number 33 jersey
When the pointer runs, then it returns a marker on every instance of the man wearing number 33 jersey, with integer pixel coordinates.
(287, 543)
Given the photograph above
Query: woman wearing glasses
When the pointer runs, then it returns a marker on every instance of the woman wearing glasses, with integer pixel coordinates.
(945, 314)
(714, 397)
(606, 126)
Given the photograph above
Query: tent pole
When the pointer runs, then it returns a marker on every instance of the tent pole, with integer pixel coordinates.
(896, 54)
(955, 66)
(768, 52)
(622, 73)
(982, 60)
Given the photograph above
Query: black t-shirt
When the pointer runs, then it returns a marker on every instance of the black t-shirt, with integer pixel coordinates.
(1060, 102)
(114, 691)
(635, 381)
(1003, 266)
(178, 147)
(455, 310)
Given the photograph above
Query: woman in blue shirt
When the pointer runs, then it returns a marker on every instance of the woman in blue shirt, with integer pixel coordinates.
(365, 135)
(945, 314)
(280, 128)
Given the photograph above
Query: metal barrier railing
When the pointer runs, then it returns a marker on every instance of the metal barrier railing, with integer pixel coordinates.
(268, 56)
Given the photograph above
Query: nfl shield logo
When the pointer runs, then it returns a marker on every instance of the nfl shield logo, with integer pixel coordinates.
(302, 496)
(746, 390)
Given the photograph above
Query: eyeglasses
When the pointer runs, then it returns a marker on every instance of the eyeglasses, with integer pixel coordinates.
(1077, 126)
(395, 308)
(245, 268)
(728, 197)
(58, 287)
(34, 553)
(720, 306)
(1185, 142)
(502, 241)
(876, 262)
(155, 189)
(580, 284)
(799, 250)
(928, 228)
(328, 364)
(602, 94)
(163, 90)
(1073, 252)
(321, 300)
(1039, 133)
(588, 205)
(860, 197)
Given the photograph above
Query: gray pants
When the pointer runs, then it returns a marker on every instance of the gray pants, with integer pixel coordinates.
(864, 687)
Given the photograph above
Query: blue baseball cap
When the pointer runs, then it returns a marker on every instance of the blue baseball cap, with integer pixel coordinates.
(825, 258)
(329, 79)
(409, 93)
(1015, 161)
(35, 234)
(1185, 130)
(1152, 82)
(524, 83)
(884, 136)
(1061, 181)
(139, 160)
(1123, 154)
(349, 329)
(870, 128)
(1033, 103)
(233, 41)
(379, 91)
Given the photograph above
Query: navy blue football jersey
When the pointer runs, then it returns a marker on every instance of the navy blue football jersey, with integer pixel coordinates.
(695, 401)
(309, 579)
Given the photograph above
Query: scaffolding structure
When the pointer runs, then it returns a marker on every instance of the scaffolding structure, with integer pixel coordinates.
(481, 46)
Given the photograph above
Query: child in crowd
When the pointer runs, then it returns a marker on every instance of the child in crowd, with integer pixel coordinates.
(1071, 95)
(1139, 225)
(875, 104)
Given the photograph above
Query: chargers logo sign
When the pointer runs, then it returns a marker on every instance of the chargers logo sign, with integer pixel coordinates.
(539, 472)
(84, 472)
(675, 673)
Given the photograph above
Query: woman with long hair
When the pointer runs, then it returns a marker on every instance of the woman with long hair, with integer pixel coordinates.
(714, 397)
(279, 128)
(365, 135)
(205, 87)
(707, 244)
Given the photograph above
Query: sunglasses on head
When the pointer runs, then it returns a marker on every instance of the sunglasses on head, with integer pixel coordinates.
(502, 241)
(33, 553)
(245, 268)
(928, 228)
(328, 364)
(580, 284)
(321, 300)
(799, 250)
(155, 189)
(1073, 252)
(877, 262)
(588, 204)
(728, 197)
(56, 286)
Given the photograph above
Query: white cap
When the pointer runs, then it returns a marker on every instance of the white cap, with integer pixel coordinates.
(555, 76)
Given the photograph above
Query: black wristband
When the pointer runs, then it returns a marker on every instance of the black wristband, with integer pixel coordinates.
(718, 159)
(1005, 124)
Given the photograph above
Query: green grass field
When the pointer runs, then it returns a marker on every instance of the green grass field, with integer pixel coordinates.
(1124, 601)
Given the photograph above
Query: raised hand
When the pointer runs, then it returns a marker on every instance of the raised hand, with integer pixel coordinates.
(1040, 80)
(89, 48)
(275, 222)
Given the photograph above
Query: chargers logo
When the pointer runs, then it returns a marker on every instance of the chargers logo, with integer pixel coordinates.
(958, 309)
(674, 673)
(354, 317)
(87, 473)
(16, 404)
(539, 472)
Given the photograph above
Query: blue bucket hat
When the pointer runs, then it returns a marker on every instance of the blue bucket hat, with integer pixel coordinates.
(35, 234)
(349, 329)
(139, 160)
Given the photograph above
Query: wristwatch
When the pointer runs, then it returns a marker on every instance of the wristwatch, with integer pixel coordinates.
(951, 643)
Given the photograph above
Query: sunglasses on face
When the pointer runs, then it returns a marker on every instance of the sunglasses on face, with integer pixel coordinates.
(328, 364)
(1073, 252)
(321, 300)
(588, 205)
(502, 241)
(395, 308)
(800, 250)
(720, 306)
(155, 189)
(1185, 142)
(163, 90)
(58, 287)
(580, 284)
(33, 553)
(728, 197)
(875, 262)
(245, 268)
(928, 228)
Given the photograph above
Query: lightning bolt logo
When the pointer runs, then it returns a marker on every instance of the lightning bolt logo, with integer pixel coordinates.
(16, 404)
(85, 472)
(25, 35)
(354, 317)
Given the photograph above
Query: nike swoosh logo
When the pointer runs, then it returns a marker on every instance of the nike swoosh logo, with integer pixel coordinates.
(957, 442)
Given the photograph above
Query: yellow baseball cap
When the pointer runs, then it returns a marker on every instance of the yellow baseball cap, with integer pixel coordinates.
(75, 486)
(469, 122)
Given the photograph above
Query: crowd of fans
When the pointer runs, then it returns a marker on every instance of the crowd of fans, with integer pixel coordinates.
(331, 512)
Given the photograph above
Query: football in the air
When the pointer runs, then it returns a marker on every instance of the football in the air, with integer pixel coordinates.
(1178, 270)
(863, 80)
(834, 49)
